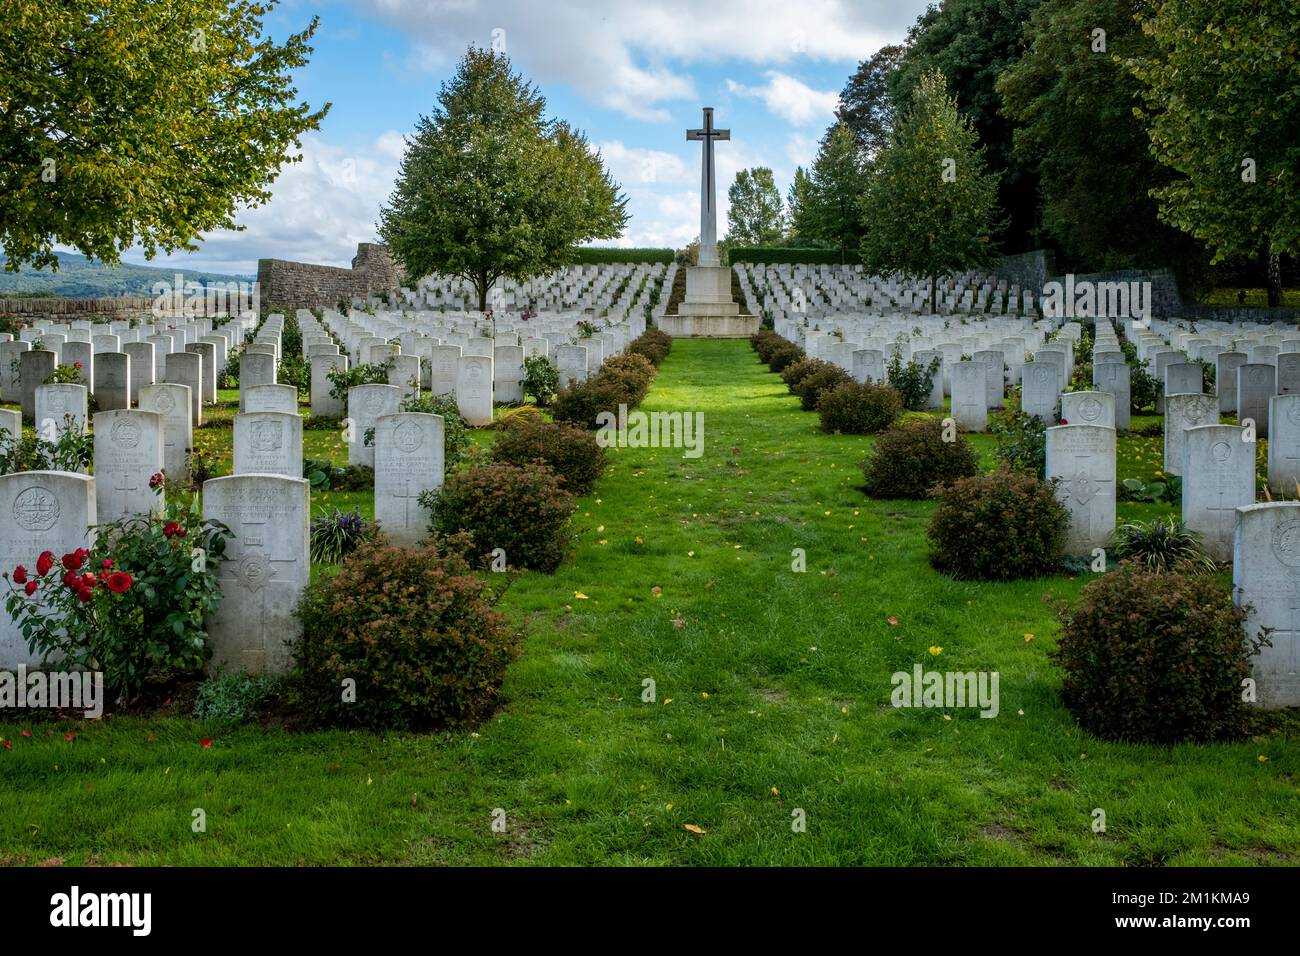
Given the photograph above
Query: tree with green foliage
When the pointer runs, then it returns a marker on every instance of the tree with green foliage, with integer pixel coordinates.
(755, 216)
(833, 215)
(142, 122)
(489, 187)
(1223, 107)
(866, 106)
(1073, 95)
(799, 203)
(971, 42)
(931, 204)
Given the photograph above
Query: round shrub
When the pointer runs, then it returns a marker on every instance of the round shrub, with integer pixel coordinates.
(763, 342)
(783, 356)
(1155, 657)
(997, 527)
(414, 629)
(571, 451)
(822, 379)
(632, 373)
(581, 402)
(798, 370)
(654, 344)
(857, 408)
(909, 460)
(522, 509)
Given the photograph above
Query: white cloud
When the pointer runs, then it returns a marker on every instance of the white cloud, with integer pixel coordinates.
(620, 53)
(633, 165)
(793, 100)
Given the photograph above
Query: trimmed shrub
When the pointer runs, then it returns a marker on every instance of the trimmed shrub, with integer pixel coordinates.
(1161, 546)
(1155, 657)
(601, 254)
(633, 373)
(653, 344)
(797, 371)
(783, 356)
(581, 402)
(779, 255)
(415, 630)
(764, 342)
(571, 451)
(909, 460)
(822, 378)
(859, 408)
(997, 527)
(522, 509)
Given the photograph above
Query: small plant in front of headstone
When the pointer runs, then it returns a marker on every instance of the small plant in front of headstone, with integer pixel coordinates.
(998, 527)
(70, 450)
(571, 451)
(333, 536)
(523, 509)
(858, 408)
(235, 698)
(1022, 441)
(1161, 546)
(442, 651)
(914, 381)
(131, 606)
(342, 379)
(909, 460)
(541, 379)
(1156, 657)
(65, 375)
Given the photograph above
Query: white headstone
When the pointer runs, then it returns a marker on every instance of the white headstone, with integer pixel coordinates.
(1218, 477)
(1183, 412)
(172, 404)
(474, 389)
(408, 461)
(128, 452)
(1081, 458)
(268, 443)
(1266, 579)
(366, 404)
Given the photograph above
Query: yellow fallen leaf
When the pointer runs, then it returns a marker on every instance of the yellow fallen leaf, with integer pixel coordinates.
(1262, 759)
(600, 528)
(580, 596)
(1028, 638)
(637, 540)
(776, 792)
(692, 827)
(667, 701)
(936, 650)
(893, 620)
(656, 590)
(844, 710)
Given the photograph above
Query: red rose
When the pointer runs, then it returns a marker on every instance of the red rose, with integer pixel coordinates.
(83, 595)
(72, 561)
(30, 588)
(87, 580)
(70, 580)
(20, 575)
(170, 528)
(107, 564)
(44, 563)
(76, 365)
(156, 480)
(119, 582)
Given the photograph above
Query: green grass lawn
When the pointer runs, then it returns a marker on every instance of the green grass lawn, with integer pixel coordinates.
(772, 696)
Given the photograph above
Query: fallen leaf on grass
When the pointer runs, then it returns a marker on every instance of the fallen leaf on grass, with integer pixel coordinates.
(693, 828)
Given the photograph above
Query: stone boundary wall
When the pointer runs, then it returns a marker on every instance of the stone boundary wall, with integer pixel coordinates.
(285, 285)
(68, 310)
(1031, 270)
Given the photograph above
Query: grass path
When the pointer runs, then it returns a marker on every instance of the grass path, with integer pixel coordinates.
(772, 695)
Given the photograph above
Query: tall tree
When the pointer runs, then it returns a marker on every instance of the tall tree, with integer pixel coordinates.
(866, 106)
(838, 179)
(931, 203)
(139, 121)
(755, 217)
(1223, 106)
(972, 42)
(799, 205)
(1073, 95)
(489, 187)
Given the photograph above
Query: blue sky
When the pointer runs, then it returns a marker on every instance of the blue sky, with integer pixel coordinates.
(632, 74)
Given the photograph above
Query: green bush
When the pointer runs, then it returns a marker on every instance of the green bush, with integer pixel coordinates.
(414, 630)
(334, 536)
(634, 373)
(913, 381)
(521, 509)
(797, 371)
(235, 698)
(822, 378)
(764, 342)
(541, 379)
(1022, 441)
(780, 255)
(582, 402)
(1161, 546)
(782, 357)
(998, 527)
(571, 451)
(456, 433)
(596, 255)
(859, 408)
(1158, 658)
(909, 460)
(653, 344)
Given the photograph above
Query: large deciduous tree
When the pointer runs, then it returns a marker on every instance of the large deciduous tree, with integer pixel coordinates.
(866, 106)
(1223, 106)
(838, 178)
(490, 187)
(930, 204)
(799, 206)
(139, 122)
(755, 216)
(1073, 95)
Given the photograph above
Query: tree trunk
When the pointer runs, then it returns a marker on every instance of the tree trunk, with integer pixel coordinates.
(482, 284)
(934, 282)
(1273, 281)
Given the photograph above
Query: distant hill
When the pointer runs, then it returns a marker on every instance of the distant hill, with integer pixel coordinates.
(80, 278)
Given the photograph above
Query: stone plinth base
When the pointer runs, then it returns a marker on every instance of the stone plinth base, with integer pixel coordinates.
(709, 285)
(695, 326)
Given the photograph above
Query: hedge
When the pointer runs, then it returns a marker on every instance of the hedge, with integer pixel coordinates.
(594, 255)
(780, 255)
